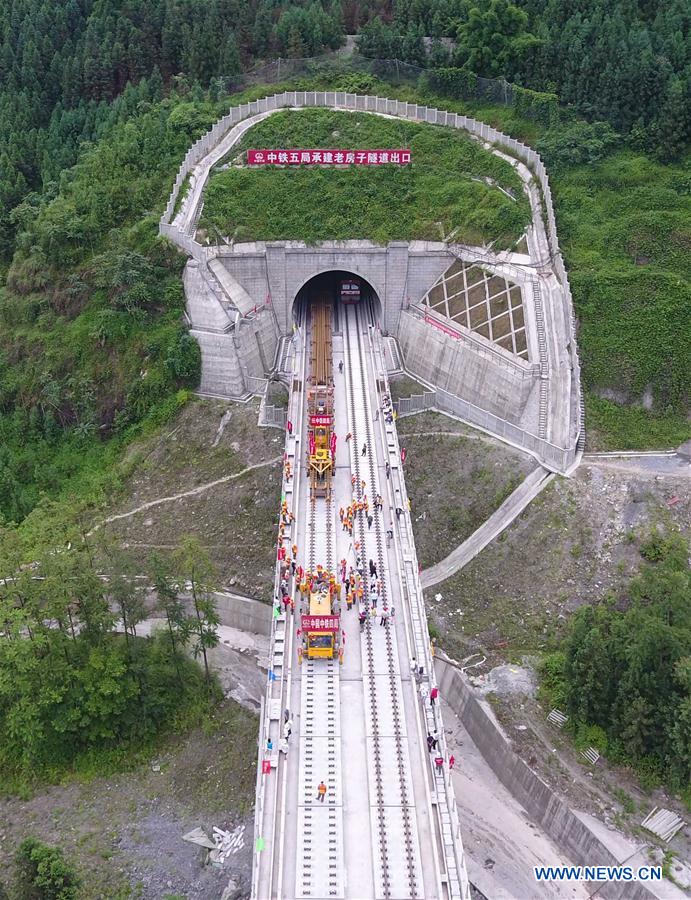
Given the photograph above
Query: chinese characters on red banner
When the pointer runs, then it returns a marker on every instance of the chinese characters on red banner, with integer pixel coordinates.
(328, 157)
(320, 623)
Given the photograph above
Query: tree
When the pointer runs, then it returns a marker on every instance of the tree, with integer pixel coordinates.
(628, 671)
(378, 40)
(413, 46)
(126, 594)
(170, 604)
(44, 873)
(439, 55)
(197, 574)
(494, 39)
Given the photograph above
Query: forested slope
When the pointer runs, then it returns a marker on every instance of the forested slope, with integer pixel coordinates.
(623, 61)
(92, 343)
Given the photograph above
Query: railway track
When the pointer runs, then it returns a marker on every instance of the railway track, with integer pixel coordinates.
(383, 694)
(320, 866)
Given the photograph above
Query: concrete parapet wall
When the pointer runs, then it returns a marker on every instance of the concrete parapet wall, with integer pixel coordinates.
(537, 798)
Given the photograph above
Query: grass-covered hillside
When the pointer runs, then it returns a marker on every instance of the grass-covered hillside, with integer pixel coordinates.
(439, 196)
(625, 228)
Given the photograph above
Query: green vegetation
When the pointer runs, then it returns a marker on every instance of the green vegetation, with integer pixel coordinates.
(43, 873)
(405, 386)
(624, 228)
(611, 426)
(92, 341)
(74, 694)
(633, 58)
(626, 670)
(434, 198)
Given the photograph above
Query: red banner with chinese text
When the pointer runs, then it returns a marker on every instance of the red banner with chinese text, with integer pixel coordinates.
(379, 157)
(320, 623)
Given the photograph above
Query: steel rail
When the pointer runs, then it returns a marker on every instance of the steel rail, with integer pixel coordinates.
(355, 354)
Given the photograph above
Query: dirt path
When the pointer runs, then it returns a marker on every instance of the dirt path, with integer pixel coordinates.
(191, 493)
(650, 464)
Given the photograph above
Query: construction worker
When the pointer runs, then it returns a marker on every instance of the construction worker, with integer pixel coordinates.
(321, 791)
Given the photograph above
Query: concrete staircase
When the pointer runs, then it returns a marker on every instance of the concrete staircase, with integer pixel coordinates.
(543, 405)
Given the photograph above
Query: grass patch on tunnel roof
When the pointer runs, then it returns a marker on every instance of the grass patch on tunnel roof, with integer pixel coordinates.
(451, 190)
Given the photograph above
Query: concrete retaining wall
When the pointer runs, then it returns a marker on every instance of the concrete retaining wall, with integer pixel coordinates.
(243, 613)
(234, 611)
(543, 806)
(481, 378)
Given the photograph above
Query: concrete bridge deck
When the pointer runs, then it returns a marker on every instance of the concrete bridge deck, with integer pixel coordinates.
(388, 827)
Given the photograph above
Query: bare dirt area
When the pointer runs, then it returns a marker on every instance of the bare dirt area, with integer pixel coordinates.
(124, 833)
(213, 474)
(455, 481)
(576, 543)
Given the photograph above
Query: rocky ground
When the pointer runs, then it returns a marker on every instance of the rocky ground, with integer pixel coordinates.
(214, 474)
(456, 477)
(124, 833)
(577, 542)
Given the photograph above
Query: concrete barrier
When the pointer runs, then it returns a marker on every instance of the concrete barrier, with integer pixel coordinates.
(541, 803)
(243, 613)
(234, 611)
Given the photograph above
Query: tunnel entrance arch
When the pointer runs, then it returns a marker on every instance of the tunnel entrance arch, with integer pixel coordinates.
(327, 284)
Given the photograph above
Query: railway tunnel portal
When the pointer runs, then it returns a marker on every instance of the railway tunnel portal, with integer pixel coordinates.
(343, 288)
